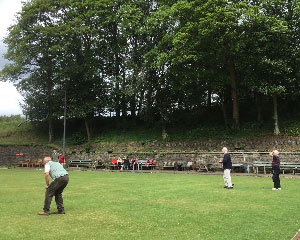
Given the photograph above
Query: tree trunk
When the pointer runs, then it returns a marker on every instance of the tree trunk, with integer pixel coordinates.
(50, 129)
(234, 96)
(225, 116)
(117, 97)
(164, 133)
(275, 104)
(132, 110)
(87, 128)
(50, 106)
(124, 100)
(117, 60)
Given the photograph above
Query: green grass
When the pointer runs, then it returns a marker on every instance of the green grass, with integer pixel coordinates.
(102, 205)
(15, 130)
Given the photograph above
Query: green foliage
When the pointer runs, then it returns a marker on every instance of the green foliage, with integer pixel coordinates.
(151, 59)
(78, 138)
(149, 206)
(12, 118)
(292, 128)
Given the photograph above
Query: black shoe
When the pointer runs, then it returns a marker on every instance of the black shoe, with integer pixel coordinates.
(233, 184)
(225, 186)
(229, 188)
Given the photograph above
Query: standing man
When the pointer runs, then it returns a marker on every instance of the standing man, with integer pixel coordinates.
(275, 169)
(227, 166)
(60, 181)
(55, 156)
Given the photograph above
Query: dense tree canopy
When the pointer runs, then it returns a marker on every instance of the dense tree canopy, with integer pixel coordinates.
(155, 60)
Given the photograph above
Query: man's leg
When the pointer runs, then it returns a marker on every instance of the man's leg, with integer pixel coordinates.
(50, 192)
(63, 182)
(225, 178)
(228, 178)
(276, 178)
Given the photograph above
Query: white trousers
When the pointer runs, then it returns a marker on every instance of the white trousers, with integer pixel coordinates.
(227, 178)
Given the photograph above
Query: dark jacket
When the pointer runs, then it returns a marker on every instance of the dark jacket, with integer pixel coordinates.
(227, 164)
(276, 162)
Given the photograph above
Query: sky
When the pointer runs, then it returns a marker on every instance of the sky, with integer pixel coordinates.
(9, 97)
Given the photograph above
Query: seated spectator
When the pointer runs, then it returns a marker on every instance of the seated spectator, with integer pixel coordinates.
(120, 163)
(136, 163)
(153, 163)
(114, 161)
(148, 163)
(132, 161)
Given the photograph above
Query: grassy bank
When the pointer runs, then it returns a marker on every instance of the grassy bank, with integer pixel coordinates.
(103, 205)
(15, 130)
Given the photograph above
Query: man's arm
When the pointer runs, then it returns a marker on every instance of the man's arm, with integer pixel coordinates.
(47, 178)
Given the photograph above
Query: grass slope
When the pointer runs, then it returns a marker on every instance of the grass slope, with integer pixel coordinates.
(102, 205)
(14, 130)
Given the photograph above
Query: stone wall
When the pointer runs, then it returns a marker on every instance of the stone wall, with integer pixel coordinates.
(200, 157)
(8, 155)
(13, 155)
(255, 144)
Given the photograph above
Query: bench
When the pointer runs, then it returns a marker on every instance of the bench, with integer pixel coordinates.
(169, 166)
(82, 163)
(291, 166)
(242, 167)
(143, 164)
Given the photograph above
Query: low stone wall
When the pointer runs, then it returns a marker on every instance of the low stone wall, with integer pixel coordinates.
(259, 144)
(200, 157)
(9, 155)
(13, 155)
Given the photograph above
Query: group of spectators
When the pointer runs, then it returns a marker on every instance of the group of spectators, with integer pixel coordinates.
(124, 163)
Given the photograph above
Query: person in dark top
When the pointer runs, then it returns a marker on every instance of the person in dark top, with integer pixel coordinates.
(227, 166)
(55, 156)
(275, 169)
(126, 162)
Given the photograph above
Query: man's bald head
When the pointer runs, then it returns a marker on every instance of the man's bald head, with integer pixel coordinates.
(47, 159)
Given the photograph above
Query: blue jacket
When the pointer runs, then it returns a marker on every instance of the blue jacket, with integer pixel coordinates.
(227, 164)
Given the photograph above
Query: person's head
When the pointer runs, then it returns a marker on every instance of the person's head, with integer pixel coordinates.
(47, 159)
(54, 150)
(275, 153)
(224, 150)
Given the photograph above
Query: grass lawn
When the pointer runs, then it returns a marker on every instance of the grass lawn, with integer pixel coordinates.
(106, 205)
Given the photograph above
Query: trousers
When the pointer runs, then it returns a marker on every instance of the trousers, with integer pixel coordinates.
(275, 177)
(55, 189)
(227, 178)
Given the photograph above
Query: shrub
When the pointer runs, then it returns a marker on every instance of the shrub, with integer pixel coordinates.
(78, 138)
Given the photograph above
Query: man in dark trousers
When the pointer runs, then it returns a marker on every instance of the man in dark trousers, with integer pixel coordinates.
(227, 166)
(60, 180)
(275, 169)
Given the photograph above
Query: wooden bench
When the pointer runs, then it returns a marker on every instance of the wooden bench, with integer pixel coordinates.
(143, 164)
(82, 163)
(242, 167)
(261, 164)
(169, 166)
(291, 166)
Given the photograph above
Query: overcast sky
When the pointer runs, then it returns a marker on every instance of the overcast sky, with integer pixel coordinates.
(9, 96)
